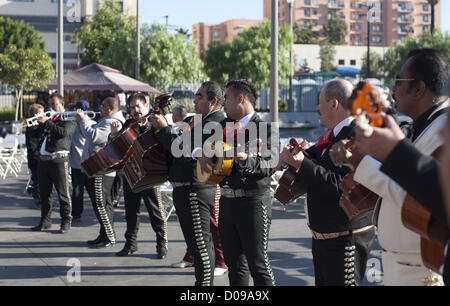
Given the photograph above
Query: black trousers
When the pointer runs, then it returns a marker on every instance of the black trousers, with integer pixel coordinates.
(79, 182)
(193, 205)
(99, 189)
(244, 225)
(55, 173)
(153, 203)
(117, 186)
(342, 261)
(33, 165)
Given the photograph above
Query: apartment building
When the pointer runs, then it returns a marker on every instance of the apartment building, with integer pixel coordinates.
(203, 34)
(43, 16)
(397, 18)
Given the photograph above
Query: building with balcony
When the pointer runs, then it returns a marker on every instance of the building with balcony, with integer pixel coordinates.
(397, 19)
(43, 16)
(227, 31)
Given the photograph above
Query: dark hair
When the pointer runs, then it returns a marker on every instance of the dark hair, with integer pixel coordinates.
(57, 95)
(137, 97)
(246, 88)
(214, 90)
(431, 67)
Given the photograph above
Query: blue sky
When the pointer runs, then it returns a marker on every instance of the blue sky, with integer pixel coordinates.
(184, 13)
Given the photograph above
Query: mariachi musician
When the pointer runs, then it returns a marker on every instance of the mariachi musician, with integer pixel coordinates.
(53, 166)
(99, 186)
(193, 201)
(245, 204)
(138, 108)
(418, 92)
(340, 247)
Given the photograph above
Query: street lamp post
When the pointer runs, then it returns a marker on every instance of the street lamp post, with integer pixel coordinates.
(432, 3)
(291, 68)
(138, 41)
(60, 48)
(274, 63)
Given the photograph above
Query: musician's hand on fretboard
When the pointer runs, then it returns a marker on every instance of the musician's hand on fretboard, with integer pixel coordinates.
(158, 122)
(293, 160)
(382, 140)
(344, 153)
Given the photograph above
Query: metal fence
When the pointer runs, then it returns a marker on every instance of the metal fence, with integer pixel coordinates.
(7, 100)
(306, 90)
(305, 97)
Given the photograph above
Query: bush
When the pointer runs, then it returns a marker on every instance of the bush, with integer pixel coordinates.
(7, 114)
(283, 106)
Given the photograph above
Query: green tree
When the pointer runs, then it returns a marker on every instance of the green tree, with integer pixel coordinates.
(248, 56)
(20, 34)
(24, 63)
(376, 65)
(218, 61)
(169, 59)
(166, 59)
(184, 32)
(327, 53)
(103, 30)
(305, 34)
(395, 56)
(335, 30)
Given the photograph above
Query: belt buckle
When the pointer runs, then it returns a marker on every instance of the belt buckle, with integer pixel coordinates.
(225, 192)
(239, 193)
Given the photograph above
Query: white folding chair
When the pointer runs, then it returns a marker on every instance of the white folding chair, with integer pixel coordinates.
(9, 158)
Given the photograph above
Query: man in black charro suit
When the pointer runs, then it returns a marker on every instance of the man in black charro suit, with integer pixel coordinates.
(53, 166)
(340, 247)
(193, 201)
(139, 107)
(245, 203)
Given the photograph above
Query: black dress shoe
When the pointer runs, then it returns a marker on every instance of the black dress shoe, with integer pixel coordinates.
(126, 251)
(162, 253)
(95, 241)
(65, 227)
(41, 227)
(104, 244)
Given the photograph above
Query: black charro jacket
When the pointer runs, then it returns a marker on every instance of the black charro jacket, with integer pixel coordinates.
(184, 168)
(322, 178)
(256, 175)
(59, 135)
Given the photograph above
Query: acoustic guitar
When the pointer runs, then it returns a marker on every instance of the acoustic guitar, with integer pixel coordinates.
(148, 164)
(366, 106)
(222, 167)
(223, 164)
(113, 156)
(288, 188)
(434, 235)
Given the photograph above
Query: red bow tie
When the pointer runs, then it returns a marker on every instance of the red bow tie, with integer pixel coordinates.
(325, 140)
(55, 118)
(237, 130)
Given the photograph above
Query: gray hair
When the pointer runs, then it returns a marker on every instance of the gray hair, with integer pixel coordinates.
(338, 89)
(180, 110)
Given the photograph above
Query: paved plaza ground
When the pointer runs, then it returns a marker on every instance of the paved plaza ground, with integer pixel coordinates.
(49, 258)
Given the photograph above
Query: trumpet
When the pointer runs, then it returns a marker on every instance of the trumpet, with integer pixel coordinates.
(65, 116)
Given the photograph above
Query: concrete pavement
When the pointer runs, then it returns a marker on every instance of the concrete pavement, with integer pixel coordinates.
(49, 258)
